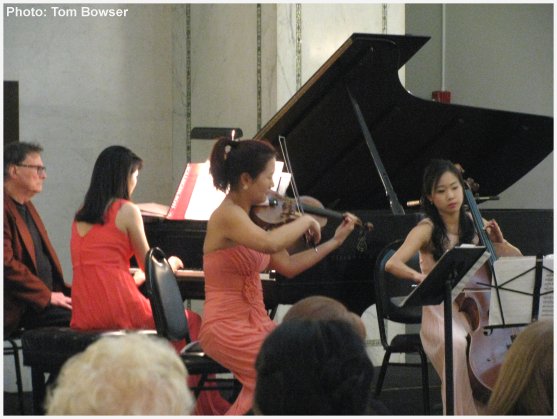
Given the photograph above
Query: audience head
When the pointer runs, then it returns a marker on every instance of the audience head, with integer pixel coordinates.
(319, 307)
(313, 367)
(133, 374)
(230, 159)
(114, 177)
(525, 382)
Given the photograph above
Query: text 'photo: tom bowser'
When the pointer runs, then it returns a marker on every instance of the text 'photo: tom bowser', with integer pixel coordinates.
(46, 10)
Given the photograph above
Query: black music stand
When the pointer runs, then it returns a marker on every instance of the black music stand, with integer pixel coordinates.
(532, 275)
(437, 288)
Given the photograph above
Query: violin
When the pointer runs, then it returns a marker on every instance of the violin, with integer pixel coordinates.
(279, 210)
(487, 346)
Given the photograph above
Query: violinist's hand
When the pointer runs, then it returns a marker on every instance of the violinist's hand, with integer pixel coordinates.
(494, 232)
(176, 263)
(313, 235)
(345, 228)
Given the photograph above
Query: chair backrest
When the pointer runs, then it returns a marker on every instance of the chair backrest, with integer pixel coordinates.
(388, 287)
(164, 296)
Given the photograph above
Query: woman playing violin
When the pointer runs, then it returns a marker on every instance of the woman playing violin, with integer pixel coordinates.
(446, 225)
(235, 321)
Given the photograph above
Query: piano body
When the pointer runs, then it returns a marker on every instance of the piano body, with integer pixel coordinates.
(358, 142)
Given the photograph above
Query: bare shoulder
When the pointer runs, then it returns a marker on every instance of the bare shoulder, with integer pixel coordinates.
(227, 213)
(129, 216)
(420, 235)
(222, 222)
(129, 208)
(425, 222)
(424, 227)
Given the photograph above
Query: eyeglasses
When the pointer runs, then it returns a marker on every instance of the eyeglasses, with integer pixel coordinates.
(40, 169)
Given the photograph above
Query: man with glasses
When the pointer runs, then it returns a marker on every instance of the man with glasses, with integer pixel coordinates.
(35, 294)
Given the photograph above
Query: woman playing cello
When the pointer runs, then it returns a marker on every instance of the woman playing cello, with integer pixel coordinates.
(446, 225)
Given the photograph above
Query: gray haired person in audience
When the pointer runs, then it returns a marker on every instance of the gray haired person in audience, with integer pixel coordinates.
(134, 374)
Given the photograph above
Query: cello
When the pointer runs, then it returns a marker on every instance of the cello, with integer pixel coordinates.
(486, 346)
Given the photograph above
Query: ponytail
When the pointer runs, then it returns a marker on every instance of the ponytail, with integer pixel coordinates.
(229, 159)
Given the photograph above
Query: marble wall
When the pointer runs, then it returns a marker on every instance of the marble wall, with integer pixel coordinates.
(293, 41)
(320, 29)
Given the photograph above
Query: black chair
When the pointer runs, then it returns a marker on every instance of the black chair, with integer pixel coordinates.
(14, 342)
(171, 323)
(389, 290)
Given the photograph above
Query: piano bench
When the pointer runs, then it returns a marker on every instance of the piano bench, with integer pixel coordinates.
(46, 349)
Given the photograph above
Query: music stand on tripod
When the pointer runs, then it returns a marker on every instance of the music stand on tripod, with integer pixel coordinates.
(524, 292)
(439, 286)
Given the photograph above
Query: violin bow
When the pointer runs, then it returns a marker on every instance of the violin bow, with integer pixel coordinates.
(284, 151)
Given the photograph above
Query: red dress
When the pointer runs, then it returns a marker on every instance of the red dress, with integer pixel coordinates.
(105, 295)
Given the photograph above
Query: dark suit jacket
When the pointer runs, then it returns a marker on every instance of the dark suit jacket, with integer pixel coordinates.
(23, 289)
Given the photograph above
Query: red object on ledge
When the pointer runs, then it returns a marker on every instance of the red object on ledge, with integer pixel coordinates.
(443, 96)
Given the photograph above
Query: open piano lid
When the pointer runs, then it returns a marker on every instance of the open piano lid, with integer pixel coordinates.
(329, 154)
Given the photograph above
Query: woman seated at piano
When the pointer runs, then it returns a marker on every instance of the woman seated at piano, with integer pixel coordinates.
(236, 250)
(446, 224)
(107, 231)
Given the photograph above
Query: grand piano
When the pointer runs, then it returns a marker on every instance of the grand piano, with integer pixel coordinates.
(358, 141)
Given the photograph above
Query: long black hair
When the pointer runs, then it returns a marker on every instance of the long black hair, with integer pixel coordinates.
(229, 159)
(109, 181)
(439, 238)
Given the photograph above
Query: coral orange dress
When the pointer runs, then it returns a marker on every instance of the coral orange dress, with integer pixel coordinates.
(105, 295)
(235, 321)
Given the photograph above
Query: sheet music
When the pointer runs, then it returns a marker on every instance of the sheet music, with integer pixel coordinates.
(516, 278)
(471, 272)
(196, 197)
(546, 299)
(205, 198)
